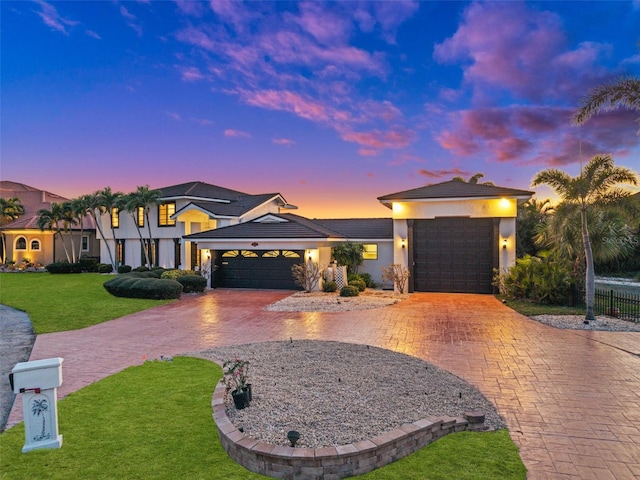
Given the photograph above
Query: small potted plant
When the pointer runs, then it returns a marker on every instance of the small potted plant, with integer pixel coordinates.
(235, 374)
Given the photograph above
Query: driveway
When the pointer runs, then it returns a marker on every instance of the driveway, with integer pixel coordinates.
(571, 398)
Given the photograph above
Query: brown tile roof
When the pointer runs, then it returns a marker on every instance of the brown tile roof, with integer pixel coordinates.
(455, 189)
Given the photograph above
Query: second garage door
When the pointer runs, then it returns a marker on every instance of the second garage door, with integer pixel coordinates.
(256, 268)
(454, 255)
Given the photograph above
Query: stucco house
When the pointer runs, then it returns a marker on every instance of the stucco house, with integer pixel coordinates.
(450, 236)
(25, 240)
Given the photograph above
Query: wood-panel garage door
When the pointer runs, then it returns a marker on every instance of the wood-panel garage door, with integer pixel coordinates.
(453, 255)
(256, 268)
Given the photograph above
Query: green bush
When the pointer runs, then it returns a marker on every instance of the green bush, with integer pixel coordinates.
(359, 284)
(141, 268)
(368, 280)
(349, 291)
(144, 274)
(542, 279)
(64, 267)
(192, 283)
(104, 268)
(329, 287)
(89, 264)
(174, 274)
(124, 269)
(130, 286)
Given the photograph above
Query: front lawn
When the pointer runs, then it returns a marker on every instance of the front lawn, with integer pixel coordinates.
(529, 309)
(153, 421)
(56, 303)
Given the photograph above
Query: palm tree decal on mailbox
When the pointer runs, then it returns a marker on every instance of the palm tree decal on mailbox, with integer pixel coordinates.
(39, 407)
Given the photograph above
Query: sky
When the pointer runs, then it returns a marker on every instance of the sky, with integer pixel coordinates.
(329, 104)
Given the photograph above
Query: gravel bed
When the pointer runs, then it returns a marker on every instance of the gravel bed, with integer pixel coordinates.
(333, 302)
(338, 393)
(576, 322)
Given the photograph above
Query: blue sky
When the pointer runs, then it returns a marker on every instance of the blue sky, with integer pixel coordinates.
(330, 104)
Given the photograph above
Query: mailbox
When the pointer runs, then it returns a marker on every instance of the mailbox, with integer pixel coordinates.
(38, 381)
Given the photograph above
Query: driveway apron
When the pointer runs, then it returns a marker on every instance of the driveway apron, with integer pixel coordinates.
(571, 398)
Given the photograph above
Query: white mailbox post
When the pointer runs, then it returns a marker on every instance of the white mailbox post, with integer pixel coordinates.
(37, 381)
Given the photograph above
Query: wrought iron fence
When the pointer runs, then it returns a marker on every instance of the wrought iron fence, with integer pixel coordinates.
(609, 302)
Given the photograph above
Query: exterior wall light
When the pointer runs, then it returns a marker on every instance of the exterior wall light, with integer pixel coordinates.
(504, 243)
(403, 242)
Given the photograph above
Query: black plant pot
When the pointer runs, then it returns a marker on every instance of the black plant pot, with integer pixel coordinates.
(247, 390)
(239, 399)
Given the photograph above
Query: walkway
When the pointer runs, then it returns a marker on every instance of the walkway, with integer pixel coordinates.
(571, 399)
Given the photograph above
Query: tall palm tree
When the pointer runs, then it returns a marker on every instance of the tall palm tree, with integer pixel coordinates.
(50, 220)
(595, 185)
(472, 179)
(108, 200)
(95, 209)
(10, 210)
(132, 203)
(624, 92)
(78, 210)
(531, 219)
(148, 198)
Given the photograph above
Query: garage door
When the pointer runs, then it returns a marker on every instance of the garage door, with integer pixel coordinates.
(256, 268)
(454, 255)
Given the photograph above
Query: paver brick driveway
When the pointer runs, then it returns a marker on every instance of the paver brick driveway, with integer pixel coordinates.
(571, 398)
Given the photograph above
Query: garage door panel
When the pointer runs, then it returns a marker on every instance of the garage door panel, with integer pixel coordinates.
(453, 255)
(271, 271)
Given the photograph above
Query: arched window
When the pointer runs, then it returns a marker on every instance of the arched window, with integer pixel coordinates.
(21, 243)
(34, 245)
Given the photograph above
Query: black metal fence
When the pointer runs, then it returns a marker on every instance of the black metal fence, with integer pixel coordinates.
(609, 302)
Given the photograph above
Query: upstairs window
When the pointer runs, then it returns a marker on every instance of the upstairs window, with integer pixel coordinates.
(85, 243)
(165, 211)
(140, 216)
(370, 251)
(115, 217)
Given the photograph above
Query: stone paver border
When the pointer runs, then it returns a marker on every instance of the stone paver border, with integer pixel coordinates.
(333, 463)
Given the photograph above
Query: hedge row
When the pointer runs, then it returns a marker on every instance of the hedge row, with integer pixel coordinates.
(131, 285)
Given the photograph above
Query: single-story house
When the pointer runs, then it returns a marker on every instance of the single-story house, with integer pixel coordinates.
(24, 241)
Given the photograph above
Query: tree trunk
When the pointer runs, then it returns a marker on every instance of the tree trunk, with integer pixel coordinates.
(106, 242)
(590, 281)
(142, 245)
(151, 242)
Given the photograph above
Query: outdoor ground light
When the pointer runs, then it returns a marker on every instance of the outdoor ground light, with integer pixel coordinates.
(293, 437)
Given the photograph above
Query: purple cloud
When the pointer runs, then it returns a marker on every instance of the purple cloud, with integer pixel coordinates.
(190, 74)
(453, 172)
(174, 115)
(283, 141)
(398, 137)
(53, 19)
(229, 132)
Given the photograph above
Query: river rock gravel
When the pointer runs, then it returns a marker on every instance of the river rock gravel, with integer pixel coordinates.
(337, 393)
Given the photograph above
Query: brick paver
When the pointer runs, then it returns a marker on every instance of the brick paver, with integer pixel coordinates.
(571, 398)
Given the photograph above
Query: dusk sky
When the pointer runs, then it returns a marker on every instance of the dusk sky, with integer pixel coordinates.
(330, 104)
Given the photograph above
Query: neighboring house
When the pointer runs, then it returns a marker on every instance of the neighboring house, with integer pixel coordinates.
(453, 235)
(25, 240)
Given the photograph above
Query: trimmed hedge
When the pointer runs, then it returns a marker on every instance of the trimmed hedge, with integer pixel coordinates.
(64, 267)
(124, 269)
(359, 284)
(175, 273)
(105, 268)
(144, 274)
(349, 291)
(133, 286)
(192, 283)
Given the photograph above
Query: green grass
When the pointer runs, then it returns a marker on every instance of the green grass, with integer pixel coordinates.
(153, 421)
(530, 309)
(56, 303)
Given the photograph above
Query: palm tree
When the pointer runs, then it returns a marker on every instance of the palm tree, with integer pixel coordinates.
(624, 92)
(78, 210)
(109, 200)
(532, 217)
(473, 179)
(50, 220)
(147, 198)
(10, 210)
(95, 208)
(596, 185)
(132, 203)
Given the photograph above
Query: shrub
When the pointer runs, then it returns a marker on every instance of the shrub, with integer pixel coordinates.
(307, 275)
(136, 287)
(359, 284)
(104, 268)
(141, 268)
(144, 274)
(543, 279)
(124, 269)
(368, 280)
(349, 291)
(89, 264)
(64, 267)
(397, 274)
(329, 287)
(192, 283)
(174, 274)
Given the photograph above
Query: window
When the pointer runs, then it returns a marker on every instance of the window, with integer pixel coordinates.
(120, 252)
(140, 216)
(370, 251)
(284, 253)
(21, 243)
(165, 210)
(115, 217)
(85, 243)
(177, 253)
(35, 245)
